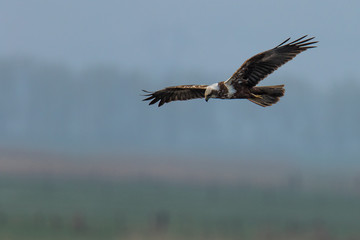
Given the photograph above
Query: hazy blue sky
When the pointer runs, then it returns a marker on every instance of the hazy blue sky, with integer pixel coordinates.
(162, 36)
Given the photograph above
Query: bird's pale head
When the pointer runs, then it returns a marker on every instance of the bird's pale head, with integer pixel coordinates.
(211, 91)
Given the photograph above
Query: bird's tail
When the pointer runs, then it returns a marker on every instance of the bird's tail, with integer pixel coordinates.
(267, 95)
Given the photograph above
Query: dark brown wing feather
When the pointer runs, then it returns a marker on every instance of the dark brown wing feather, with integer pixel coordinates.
(177, 93)
(261, 65)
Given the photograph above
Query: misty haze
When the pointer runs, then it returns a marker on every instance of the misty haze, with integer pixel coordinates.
(83, 157)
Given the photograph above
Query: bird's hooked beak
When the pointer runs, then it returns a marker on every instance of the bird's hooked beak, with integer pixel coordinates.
(207, 98)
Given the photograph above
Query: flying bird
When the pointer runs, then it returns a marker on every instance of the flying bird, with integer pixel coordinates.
(242, 84)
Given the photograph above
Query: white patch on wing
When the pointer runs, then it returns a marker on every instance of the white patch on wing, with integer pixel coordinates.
(231, 90)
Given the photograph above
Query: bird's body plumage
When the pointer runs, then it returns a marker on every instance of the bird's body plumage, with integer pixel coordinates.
(242, 84)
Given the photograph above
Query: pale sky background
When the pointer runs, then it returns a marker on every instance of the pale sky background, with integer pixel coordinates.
(162, 36)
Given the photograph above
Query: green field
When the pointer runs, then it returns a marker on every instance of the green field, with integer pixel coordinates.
(54, 208)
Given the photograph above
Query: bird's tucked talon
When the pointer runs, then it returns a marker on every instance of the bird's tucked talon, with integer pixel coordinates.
(256, 96)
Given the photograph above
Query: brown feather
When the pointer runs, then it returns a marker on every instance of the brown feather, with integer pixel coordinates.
(176, 93)
(267, 95)
(261, 65)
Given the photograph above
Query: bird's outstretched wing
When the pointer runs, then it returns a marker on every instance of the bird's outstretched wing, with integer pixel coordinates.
(177, 93)
(261, 65)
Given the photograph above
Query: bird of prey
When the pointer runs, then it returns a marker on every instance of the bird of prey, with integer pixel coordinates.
(242, 84)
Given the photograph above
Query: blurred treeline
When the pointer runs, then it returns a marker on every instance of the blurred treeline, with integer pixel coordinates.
(52, 106)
